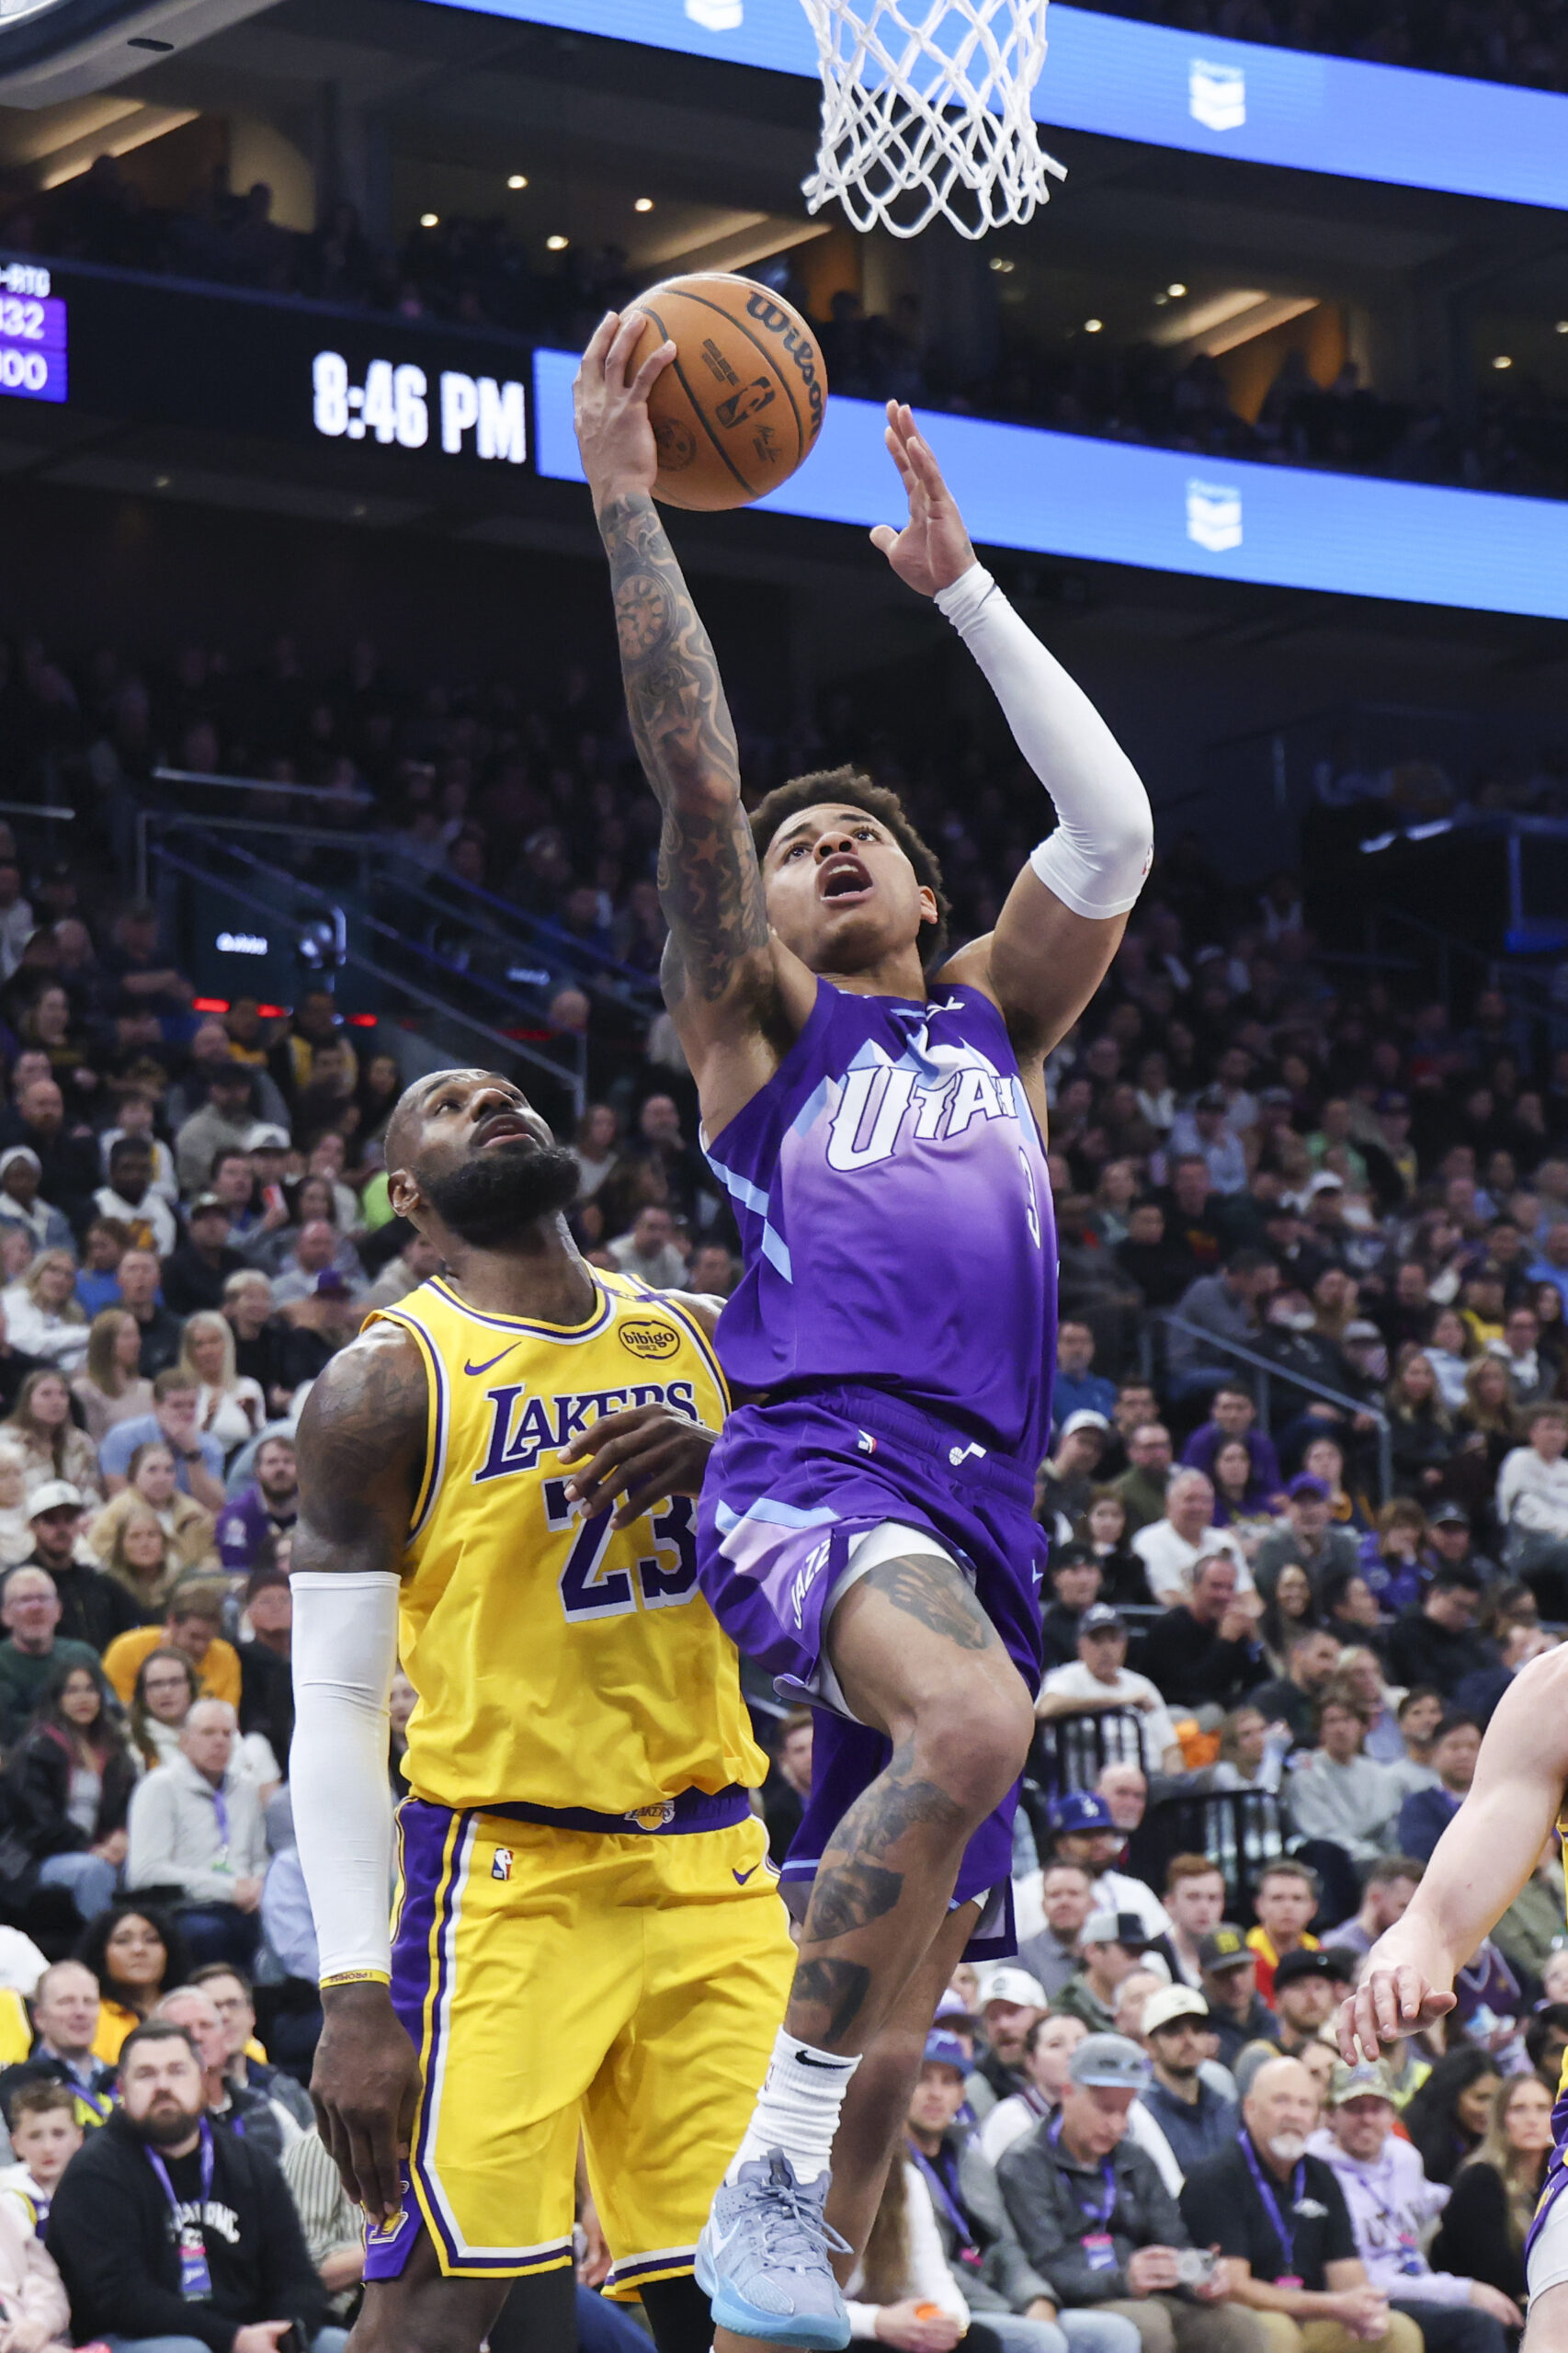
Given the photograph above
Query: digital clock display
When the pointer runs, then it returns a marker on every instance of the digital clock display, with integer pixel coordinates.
(32, 335)
(394, 405)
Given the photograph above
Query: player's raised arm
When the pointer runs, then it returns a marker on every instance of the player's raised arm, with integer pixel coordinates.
(1065, 914)
(718, 965)
(361, 1448)
(1482, 1860)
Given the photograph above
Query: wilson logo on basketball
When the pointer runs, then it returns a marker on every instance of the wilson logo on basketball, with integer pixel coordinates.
(782, 323)
(649, 1340)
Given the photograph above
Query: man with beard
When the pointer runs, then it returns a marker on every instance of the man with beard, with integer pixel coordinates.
(493, 1486)
(167, 2231)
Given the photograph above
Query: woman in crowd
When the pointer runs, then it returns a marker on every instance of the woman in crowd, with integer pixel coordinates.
(1104, 1529)
(1240, 1502)
(1449, 1351)
(41, 1426)
(166, 1691)
(1324, 1459)
(375, 1098)
(230, 1407)
(1447, 2118)
(1289, 1608)
(137, 1955)
(142, 1558)
(594, 1147)
(1421, 1430)
(1349, 1609)
(1483, 2225)
(15, 1524)
(1118, 1188)
(188, 1525)
(1485, 1430)
(1552, 1345)
(111, 1387)
(903, 2279)
(67, 1788)
(1392, 1554)
(329, 1160)
(43, 1316)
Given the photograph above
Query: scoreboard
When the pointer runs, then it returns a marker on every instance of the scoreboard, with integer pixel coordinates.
(33, 364)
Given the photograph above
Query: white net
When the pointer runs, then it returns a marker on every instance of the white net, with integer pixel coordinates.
(926, 110)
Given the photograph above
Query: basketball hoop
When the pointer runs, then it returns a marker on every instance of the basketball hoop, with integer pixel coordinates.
(926, 110)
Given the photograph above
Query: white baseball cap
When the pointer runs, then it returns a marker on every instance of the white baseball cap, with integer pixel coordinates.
(1007, 1984)
(55, 1495)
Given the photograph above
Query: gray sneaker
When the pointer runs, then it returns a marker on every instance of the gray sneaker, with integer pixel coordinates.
(762, 2258)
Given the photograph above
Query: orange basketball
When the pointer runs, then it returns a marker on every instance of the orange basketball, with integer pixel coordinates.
(741, 403)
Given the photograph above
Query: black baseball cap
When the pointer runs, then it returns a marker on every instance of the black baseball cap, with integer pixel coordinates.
(1101, 1619)
(1307, 1963)
(1226, 1948)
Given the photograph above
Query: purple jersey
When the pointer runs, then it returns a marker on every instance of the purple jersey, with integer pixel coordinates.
(895, 1216)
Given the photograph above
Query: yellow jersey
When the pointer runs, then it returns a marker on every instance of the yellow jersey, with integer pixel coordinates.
(558, 1661)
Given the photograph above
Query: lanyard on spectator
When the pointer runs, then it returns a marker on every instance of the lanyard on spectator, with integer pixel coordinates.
(194, 2277)
(1261, 2183)
(1099, 2216)
(220, 1808)
(966, 2250)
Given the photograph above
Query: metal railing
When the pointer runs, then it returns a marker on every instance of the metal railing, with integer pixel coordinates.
(1241, 1832)
(1268, 1373)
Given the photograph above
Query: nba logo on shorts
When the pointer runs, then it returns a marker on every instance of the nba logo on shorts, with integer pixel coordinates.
(1216, 95)
(1213, 517)
(501, 1863)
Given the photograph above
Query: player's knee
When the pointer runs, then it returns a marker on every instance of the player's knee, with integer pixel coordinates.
(972, 1741)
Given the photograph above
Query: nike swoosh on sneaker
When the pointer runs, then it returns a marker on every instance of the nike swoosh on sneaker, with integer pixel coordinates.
(740, 1878)
(490, 1360)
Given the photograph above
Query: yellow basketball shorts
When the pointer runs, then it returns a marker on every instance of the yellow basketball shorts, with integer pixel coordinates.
(624, 1985)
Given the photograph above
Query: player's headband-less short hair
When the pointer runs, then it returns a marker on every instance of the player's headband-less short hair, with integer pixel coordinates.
(852, 789)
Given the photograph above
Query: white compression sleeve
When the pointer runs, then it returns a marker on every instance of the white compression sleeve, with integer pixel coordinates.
(345, 1650)
(1096, 860)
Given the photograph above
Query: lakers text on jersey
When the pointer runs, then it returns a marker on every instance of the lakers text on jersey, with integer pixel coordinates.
(588, 1938)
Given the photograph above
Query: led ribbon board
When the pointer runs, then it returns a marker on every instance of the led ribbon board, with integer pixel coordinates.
(1065, 495)
(1175, 89)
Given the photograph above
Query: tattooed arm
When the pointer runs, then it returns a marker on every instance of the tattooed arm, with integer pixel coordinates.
(737, 995)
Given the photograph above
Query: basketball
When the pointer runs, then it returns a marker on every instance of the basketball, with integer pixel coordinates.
(741, 403)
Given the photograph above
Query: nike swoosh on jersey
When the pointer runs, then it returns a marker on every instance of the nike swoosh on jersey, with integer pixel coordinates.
(486, 1367)
(740, 1878)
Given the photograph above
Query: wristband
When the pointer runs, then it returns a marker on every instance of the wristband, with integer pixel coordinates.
(355, 1977)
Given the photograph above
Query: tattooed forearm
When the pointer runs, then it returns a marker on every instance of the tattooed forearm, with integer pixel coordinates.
(938, 1598)
(829, 1994)
(709, 881)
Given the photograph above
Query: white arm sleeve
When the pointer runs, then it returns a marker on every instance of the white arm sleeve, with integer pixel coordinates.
(1096, 860)
(345, 1650)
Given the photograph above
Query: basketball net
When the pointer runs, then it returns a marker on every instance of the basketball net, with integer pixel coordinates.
(926, 110)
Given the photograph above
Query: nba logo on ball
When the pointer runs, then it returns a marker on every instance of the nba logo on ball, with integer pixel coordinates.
(1213, 517)
(1216, 95)
(501, 1863)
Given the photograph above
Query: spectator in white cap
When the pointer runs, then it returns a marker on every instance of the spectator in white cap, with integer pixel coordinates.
(1099, 1679)
(1009, 2006)
(1064, 1482)
(1196, 2118)
(93, 1608)
(20, 1169)
(1114, 1942)
(1393, 2206)
(1094, 2216)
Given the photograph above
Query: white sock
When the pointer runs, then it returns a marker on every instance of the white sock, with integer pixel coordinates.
(797, 2109)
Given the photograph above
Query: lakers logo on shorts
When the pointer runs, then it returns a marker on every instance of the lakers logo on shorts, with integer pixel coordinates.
(652, 1817)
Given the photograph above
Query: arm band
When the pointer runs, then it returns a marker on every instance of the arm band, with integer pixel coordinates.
(345, 1650)
(1096, 860)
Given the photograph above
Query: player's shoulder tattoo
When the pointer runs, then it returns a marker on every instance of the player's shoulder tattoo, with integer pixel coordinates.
(364, 1423)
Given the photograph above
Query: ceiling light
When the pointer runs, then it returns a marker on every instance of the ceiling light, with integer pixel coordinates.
(1093, 326)
(516, 180)
(1159, 301)
(1502, 361)
(643, 204)
(159, 481)
(429, 220)
(1176, 291)
(1563, 326)
(557, 244)
(1002, 267)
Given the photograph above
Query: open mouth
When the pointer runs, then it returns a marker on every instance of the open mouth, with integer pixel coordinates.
(843, 877)
(502, 1127)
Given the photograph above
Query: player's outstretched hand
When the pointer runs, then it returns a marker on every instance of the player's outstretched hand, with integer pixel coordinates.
(365, 2086)
(933, 549)
(1396, 1997)
(641, 1456)
(610, 405)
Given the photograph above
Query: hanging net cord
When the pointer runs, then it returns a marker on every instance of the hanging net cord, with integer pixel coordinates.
(927, 111)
